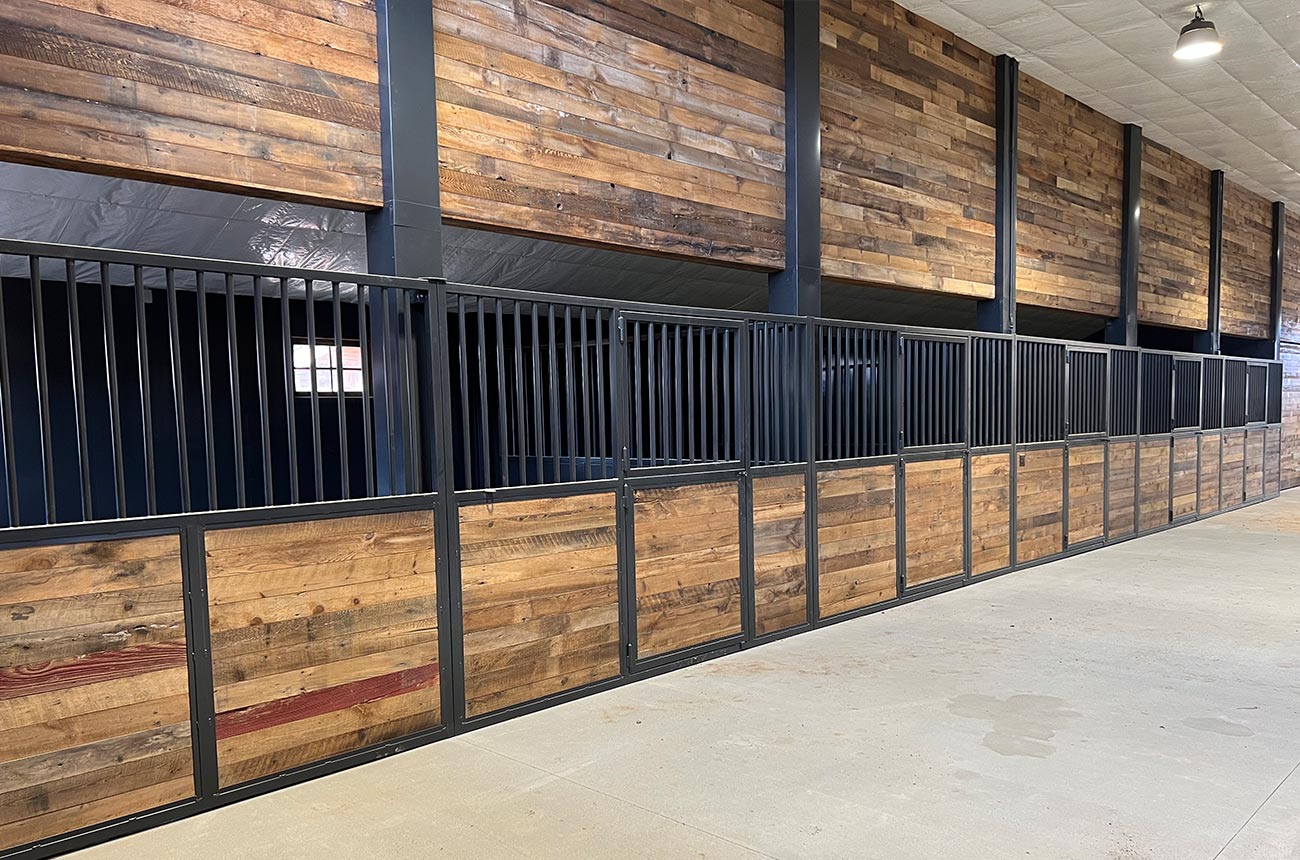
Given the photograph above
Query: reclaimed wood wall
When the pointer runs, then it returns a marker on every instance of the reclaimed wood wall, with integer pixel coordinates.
(687, 566)
(780, 553)
(1232, 482)
(1040, 504)
(278, 99)
(1255, 463)
(1272, 461)
(1290, 354)
(990, 513)
(1174, 260)
(907, 152)
(1121, 488)
(1246, 283)
(652, 125)
(1087, 493)
(1211, 449)
(94, 685)
(1153, 487)
(856, 538)
(1290, 327)
(324, 638)
(1069, 203)
(934, 511)
(539, 597)
(1183, 478)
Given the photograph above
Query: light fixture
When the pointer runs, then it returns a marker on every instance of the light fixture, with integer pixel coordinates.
(1198, 39)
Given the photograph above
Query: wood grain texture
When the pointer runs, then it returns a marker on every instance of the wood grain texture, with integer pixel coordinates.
(1290, 328)
(1246, 283)
(1174, 263)
(908, 158)
(1233, 481)
(857, 539)
(539, 596)
(1183, 481)
(1255, 445)
(687, 566)
(94, 690)
(780, 552)
(278, 99)
(324, 638)
(1069, 203)
(990, 513)
(1153, 488)
(1121, 488)
(1272, 461)
(654, 126)
(1290, 355)
(1040, 504)
(934, 522)
(1087, 493)
(1211, 448)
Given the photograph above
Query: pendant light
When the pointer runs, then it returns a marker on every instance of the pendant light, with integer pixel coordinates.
(1198, 39)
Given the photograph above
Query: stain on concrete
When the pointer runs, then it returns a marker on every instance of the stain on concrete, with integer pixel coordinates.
(1218, 725)
(1022, 725)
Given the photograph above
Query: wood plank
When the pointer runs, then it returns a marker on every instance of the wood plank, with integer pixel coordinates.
(934, 519)
(1246, 286)
(1174, 266)
(1153, 463)
(1211, 445)
(1040, 504)
(856, 538)
(780, 552)
(1183, 479)
(1087, 465)
(1122, 488)
(990, 512)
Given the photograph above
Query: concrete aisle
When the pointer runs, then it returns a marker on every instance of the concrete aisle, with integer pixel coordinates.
(1138, 702)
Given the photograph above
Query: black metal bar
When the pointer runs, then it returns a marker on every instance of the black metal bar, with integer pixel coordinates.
(318, 465)
(42, 387)
(538, 432)
(1208, 341)
(7, 421)
(797, 288)
(146, 391)
(205, 387)
(178, 389)
(638, 415)
(690, 395)
(714, 435)
(264, 390)
(570, 407)
(588, 451)
(521, 397)
(502, 401)
(1123, 329)
(485, 443)
(553, 392)
(290, 388)
(340, 396)
(600, 394)
(679, 448)
(999, 313)
(1275, 285)
(79, 389)
(236, 406)
(462, 353)
(728, 372)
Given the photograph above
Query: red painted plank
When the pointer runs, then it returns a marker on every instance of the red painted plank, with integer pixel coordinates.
(317, 702)
(18, 681)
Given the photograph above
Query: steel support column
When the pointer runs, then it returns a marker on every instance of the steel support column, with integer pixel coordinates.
(1124, 328)
(998, 314)
(1275, 293)
(797, 288)
(1208, 340)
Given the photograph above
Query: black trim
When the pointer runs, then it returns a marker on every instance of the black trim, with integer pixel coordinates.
(1123, 330)
(1209, 341)
(998, 314)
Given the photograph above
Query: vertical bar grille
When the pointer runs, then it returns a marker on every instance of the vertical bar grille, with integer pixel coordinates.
(1041, 401)
(1123, 392)
(1256, 393)
(1212, 393)
(1087, 392)
(777, 381)
(990, 392)
(1234, 393)
(857, 368)
(1275, 393)
(1187, 393)
(934, 392)
(1157, 393)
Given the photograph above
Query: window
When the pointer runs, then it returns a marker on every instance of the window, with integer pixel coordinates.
(328, 372)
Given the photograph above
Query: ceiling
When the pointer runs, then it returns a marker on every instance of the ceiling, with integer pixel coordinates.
(1239, 112)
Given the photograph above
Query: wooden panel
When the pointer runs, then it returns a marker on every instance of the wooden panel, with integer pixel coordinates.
(1040, 504)
(856, 538)
(907, 151)
(990, 513)
(1255, 463)
(1290, 355)
(1209, 467)
(1232, 492)
(324, 638)
(94, 689)
(780, 552)
(278, 99)
(1174, 267)
(539, 596)
(687, 566)
(1069, 203)
(934, 506)
(1183, 477)
(1122, 488)
(652, 125)
(1272, 461)
(1290, 329)
(1246, 284)
(1087, 493)
(1153, 464)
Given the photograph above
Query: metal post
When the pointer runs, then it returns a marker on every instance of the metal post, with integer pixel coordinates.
(797, 288)
(999, 313)
(1123, 329)
(1275, 292)
(1208, 340)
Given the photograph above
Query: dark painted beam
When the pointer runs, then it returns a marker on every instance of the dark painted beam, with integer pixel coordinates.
(1123, 329)
(1209, 341)
(1279, 258)
(797, 289)
(999, 313)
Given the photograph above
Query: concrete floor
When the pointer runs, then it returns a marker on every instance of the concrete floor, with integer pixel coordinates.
(1134, 703)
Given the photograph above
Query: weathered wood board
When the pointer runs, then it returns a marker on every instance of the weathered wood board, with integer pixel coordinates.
(687, 566)
(539, 597)
(1272, 461)
(1211, 445)
(1121, 488)
(1040, 504)
(1153, 488)
(1233, 483)
(857, 539)
(94, 685)
(990, 513)
(1255, 463)
(934, 523)
(1246, 285)
(1183, 478)
(780, 552)
(1290, 355)
(324, 638)
(1174, 263)
(1290, 323)
(1087, 493)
